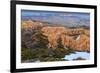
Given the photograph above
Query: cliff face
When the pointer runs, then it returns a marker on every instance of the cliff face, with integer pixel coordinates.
(29, 30)
(77, 38)
(83, 43)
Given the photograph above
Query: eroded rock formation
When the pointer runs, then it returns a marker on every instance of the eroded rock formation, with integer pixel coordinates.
(29, 30)
(76, 38)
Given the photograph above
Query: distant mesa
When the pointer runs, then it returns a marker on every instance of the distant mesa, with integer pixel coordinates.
(31, 24)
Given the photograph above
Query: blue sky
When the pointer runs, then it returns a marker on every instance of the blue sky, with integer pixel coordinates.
(57, 17)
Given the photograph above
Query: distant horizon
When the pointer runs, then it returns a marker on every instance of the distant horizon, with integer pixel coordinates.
(71, 19)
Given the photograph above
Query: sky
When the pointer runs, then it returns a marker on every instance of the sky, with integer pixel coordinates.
(64, 18)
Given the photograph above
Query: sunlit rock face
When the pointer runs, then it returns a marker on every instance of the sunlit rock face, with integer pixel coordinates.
(76, 39)
(53, 35)
(67, 42)
(83, 43)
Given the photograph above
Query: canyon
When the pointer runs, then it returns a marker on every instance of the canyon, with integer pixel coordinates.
(74, 38)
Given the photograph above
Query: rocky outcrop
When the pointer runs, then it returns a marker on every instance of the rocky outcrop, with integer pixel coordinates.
(67, 41)
(83, 43)
(53, 34)
(29, 24)
(76, 39)
(29, 30)
(35, 33)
